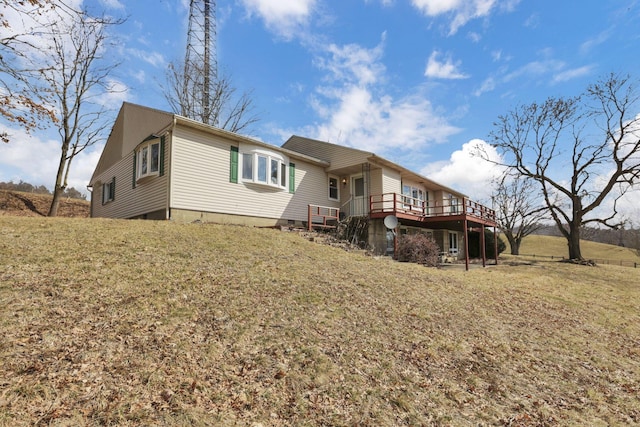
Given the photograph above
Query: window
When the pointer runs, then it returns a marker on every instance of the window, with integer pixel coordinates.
(149, 157)
(453, 203)
(109, 191)
(358, 187)
(262, 167)
(333, 188)
(414, 198)
(247, 166)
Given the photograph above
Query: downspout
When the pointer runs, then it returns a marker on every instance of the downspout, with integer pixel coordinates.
(90, 190)
(168, 170)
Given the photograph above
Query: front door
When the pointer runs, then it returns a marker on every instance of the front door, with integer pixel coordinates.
(359, 203)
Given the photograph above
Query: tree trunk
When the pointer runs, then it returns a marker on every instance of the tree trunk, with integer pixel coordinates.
(58, 188)
(573, 241)
(55, 202)
(515, 246)
(514, 243)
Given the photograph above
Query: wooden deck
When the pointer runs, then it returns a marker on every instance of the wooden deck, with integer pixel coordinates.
(432, 212)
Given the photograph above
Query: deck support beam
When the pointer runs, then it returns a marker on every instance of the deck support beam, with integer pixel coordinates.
(483, 248)
(465, 224)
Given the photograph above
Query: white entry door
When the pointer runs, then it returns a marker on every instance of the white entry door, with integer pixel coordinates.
(359, 204)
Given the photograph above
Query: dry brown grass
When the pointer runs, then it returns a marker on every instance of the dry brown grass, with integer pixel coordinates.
(108, 322)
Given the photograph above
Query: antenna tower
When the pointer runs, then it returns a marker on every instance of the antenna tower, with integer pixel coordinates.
(201, 62)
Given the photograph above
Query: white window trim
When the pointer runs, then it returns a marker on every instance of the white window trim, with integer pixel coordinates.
(337, 187)
(139, 155)
(281, 183)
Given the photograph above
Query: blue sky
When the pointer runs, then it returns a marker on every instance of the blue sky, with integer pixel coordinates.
(411, 80)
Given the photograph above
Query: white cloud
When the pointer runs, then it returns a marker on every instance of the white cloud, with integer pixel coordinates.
(283, 17)
(117, 93)
(598, 40)
(536, 68)
(443, 70)
(462, 11)
(355, 111)
(467, 172)
(113, 4)
(487, 85)
(154, 58)
(573, 73)
(353, 63)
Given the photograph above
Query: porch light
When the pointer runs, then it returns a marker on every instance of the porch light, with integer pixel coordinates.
(344, 181)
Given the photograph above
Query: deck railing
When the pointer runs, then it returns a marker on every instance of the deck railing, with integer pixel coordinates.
(322, 216)
(394, 204)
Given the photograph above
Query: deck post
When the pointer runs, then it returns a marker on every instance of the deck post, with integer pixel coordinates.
(395, 202)
(495, 243)
(466, 244)
(483, 250)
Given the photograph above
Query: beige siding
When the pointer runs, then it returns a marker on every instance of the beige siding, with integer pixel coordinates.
(150, 195)
(391, 181)
(339, 157)
(200, 182)
(376, 181)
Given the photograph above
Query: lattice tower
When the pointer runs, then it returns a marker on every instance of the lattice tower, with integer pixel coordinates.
(201, 63)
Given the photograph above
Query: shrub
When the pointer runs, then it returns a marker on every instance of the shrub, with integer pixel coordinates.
(418, 248)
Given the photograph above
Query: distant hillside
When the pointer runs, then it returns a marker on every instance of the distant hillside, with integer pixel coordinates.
(16, 203)
(547, 246)
(624, 237)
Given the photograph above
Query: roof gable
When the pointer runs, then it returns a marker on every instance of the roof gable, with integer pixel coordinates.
(133, 124)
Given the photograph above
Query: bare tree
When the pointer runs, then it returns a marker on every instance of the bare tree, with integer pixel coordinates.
(51, 73)
(18, 103)
(224, 108)
(579, 151)
(79, 78)
(518, 209)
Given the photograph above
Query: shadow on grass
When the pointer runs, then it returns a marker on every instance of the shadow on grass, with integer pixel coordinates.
(29, 204)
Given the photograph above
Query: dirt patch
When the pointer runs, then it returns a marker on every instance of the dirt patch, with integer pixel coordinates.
(16, 203)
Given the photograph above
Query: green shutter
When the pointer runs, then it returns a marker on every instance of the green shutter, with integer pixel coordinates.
(233, 175)
(112, 189)
(133, 180)
(161, 171)
(292, 178)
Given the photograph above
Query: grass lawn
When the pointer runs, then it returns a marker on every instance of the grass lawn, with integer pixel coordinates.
(110, 322)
